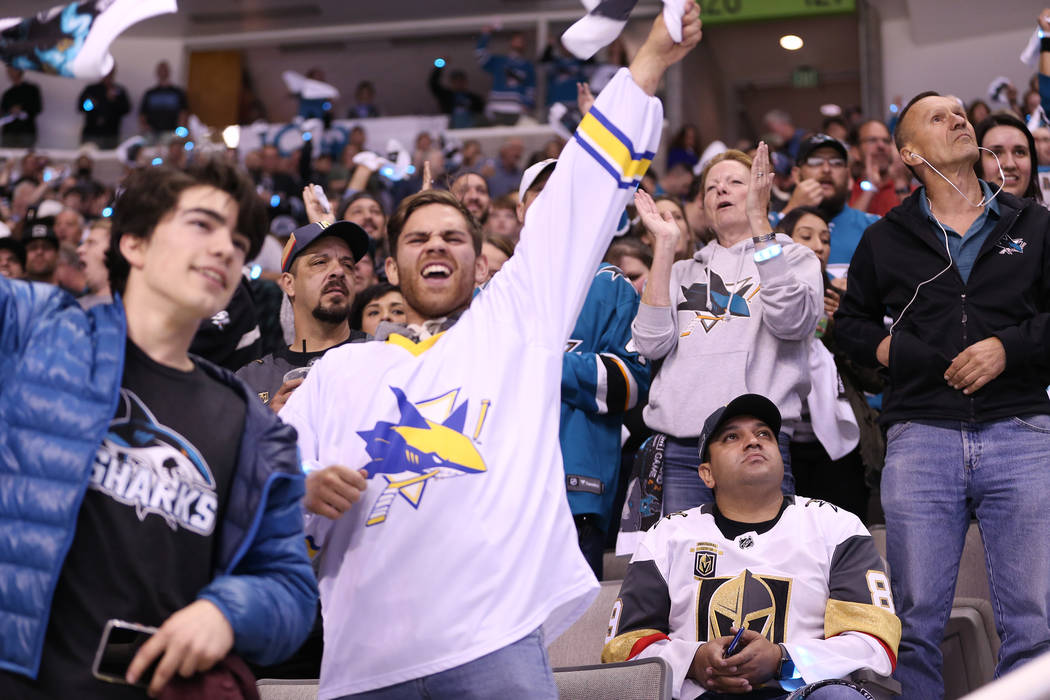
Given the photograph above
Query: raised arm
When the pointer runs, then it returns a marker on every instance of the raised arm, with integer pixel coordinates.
(654, 328)
(569, 226)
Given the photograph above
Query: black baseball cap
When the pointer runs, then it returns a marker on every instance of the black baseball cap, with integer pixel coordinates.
(815, 141)
(352, 234)
(754, 405)
(16, 247)
(41, 230)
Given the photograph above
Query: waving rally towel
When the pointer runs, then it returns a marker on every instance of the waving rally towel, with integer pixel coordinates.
(605, 20)
(73, 40)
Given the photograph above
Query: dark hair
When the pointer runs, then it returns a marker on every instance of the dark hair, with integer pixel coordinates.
(409, 205)
(1007, 119)
(834, 119)
(625, 247)
(790, 220)
(502, 244)
(363, 194)
(151, 193)
(366, 297)
(540, 181)
(679, 138)
(854, 133)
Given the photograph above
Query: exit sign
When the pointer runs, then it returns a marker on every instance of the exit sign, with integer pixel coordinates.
(720, 11)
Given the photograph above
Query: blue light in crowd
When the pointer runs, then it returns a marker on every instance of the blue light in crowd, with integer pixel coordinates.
(275, 201)
(307, 136)
(88, 105)
(182, 132)
(894, 108)
(867, 186)
(386, 171)
(107, 212)
(326, 105)
(156, 161)
(189, 146)
(439, 63)
(411, 169)
(255, 271)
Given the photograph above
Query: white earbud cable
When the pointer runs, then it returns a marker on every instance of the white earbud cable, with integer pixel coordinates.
(1002, 179)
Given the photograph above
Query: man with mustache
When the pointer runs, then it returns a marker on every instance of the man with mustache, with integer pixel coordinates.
(801, 576)
(317, 274)
(822, 174)
(450, 558)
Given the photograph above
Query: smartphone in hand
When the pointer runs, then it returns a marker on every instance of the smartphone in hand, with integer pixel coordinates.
(119, 643)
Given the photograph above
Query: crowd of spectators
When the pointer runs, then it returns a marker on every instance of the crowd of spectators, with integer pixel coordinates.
(733, 271)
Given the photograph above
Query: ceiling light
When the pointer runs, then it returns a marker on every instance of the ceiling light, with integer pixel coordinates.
(791, 42)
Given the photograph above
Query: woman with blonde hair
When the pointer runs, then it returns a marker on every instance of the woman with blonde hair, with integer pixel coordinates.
(735, 318)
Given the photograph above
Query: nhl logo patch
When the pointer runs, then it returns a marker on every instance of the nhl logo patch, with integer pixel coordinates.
(745, 542)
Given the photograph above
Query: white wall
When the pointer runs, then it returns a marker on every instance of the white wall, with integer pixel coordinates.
(962, 67)
(58, 126)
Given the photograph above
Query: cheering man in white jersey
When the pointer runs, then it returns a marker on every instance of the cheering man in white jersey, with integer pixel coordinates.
(460, 558)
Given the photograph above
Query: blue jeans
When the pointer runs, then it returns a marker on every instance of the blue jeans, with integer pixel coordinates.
(936, 475)
(518, 670)
(683, 488)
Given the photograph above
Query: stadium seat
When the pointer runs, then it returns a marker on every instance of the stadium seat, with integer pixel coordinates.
(644, 679)
(970, 647)
(582, 643)
(614, 567)
(281, 689)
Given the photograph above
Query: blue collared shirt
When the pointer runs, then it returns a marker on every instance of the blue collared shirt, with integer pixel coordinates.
(964, 248)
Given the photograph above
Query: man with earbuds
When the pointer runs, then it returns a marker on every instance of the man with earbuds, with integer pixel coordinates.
(962, 270)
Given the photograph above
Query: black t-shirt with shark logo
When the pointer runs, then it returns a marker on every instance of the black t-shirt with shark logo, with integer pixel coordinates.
(148, 528)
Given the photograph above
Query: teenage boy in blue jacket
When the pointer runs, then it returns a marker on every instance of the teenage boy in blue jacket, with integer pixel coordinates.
(140, 483)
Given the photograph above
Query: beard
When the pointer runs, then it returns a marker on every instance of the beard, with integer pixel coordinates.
(335, 313)
(831, 206)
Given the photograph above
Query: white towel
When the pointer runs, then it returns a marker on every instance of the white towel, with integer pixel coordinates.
(605, 19)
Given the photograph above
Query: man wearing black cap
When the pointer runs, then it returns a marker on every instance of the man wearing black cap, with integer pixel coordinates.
(12, 258)
(800, 576)
(317, 274)
(822, 174)
(41, 252)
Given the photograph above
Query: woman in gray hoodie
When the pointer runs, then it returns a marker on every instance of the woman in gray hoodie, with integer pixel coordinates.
(737, 318)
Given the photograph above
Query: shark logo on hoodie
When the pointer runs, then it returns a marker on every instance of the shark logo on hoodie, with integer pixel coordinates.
(717, 303)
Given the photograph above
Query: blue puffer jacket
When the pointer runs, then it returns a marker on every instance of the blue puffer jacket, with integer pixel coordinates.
(60, 374)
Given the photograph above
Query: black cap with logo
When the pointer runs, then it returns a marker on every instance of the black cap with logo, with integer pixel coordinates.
(753, 405)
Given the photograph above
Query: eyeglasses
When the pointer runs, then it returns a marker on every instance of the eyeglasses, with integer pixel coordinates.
(833, 163)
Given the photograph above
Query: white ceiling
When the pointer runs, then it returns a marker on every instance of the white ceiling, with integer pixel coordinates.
(932, 21)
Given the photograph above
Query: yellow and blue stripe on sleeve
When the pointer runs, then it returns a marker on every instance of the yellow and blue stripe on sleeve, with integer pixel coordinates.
(612, 149)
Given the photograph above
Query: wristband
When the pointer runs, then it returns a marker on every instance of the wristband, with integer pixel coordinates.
(768, 253)
(1044, 43)
(764, 238)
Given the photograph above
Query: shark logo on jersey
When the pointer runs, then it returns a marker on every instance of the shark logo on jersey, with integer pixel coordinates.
(145, 464)
(416, 450)
(1009, 246)
(717, 304)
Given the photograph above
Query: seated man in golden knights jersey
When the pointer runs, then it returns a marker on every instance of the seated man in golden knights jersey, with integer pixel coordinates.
(800, 577)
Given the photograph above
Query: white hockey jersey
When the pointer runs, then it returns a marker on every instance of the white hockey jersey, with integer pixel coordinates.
(463, 542)
(813, 581)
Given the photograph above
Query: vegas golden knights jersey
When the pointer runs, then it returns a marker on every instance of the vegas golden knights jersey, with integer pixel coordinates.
(812, 580)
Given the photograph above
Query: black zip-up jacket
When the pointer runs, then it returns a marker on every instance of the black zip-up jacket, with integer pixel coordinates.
(1007, 296)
